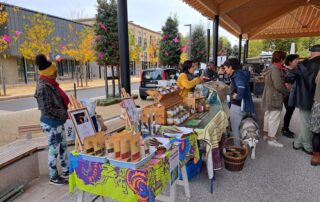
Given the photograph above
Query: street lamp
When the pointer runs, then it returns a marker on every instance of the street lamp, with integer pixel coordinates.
(189, 49)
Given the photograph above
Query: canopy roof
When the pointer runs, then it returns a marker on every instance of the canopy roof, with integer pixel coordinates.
(264, 19)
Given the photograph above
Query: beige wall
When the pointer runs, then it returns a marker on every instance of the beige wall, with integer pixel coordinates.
(137, 31)
(10, 70)
(145, 34)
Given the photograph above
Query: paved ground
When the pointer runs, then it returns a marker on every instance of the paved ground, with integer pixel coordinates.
(28, 89)
(277, 174)
(9, 121)
(30, 102)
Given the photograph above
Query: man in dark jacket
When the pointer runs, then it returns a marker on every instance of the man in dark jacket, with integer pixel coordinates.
(211, 71)
(241, 99)
(302, 94)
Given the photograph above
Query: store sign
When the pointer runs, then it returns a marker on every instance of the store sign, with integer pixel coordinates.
(174, 165)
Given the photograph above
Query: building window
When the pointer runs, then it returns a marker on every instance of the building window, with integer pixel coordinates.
(145, 44)
(140, 41)
(145, 56)
(151, 41)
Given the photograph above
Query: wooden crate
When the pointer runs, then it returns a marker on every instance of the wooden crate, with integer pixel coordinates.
(191, 102)
(160, 108)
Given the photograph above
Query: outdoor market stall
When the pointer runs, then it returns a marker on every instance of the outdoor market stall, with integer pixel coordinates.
(136, 164)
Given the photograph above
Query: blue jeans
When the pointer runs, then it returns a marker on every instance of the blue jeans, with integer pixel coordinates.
(57, 144)
(236, 117)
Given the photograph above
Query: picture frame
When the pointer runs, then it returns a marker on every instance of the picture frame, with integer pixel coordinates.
(131, 109)
(82, 123)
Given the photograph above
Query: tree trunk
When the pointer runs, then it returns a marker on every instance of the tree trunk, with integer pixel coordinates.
(119, 83)
(113, 82)
(87, 73)
(81, 75)
(106, 82)
(76, 67)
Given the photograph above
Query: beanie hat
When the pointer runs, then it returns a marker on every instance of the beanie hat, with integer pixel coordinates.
(315, 48)
(46, 68)
(42, 62)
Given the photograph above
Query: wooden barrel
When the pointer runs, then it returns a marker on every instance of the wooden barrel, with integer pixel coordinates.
(234, 155)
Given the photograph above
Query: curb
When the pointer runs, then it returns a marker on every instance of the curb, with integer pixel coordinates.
(31, 95)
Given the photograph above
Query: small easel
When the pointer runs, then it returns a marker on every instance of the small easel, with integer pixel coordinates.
(125, 95)
(74, 104)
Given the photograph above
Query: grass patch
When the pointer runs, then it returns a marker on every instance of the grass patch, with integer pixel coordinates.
(111, 100)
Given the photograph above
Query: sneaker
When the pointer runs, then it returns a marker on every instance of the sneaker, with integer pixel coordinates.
(265, 138)
(58, 181)
(65, 175)
(274, 143)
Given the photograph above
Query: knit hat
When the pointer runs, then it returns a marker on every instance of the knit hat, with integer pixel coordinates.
(46, 68)
(315, 48)
(42, 62)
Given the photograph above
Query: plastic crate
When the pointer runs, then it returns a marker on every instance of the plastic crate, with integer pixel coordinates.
(192, 169)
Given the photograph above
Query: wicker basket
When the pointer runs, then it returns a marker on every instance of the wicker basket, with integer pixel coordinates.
(234, 156)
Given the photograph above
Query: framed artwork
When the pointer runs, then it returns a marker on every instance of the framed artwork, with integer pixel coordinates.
(82, 123)
(131, 109)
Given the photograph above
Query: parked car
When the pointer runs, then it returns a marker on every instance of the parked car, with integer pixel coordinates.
(154, 78)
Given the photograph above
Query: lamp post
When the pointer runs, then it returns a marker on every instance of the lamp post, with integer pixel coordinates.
(189, 49)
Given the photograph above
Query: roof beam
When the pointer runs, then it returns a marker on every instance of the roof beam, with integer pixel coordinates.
(234, 26)
(260, 24)
(291, 35)
(209, 5)
(229, 5)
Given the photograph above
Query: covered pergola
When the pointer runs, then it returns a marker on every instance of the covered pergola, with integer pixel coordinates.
(261, 19)
(246, 19)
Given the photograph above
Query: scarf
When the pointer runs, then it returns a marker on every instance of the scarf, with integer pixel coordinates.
(63, 95)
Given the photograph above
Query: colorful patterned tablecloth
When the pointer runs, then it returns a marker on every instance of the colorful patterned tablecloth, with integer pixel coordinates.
(142, 184)
(188, 148)
(121, 184)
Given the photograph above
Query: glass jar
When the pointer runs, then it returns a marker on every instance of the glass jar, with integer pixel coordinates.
(170, 121)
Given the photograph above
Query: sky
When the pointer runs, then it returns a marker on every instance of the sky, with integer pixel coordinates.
(151, 14)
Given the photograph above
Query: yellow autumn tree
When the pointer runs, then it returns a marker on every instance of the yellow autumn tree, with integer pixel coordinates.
(81, 48)
(134, 48)
(38, 37)
(183, 57)
(3, 19)
(152, 52)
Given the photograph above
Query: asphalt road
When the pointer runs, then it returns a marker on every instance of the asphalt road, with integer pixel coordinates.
(30, 102)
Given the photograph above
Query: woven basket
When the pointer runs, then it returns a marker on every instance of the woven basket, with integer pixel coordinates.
(234, 156)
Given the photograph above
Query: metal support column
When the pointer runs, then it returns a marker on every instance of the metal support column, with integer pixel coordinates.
(215, 38)
(246, 52)
(24, 64)
(124, 45)
(208, 45)
(240, 47)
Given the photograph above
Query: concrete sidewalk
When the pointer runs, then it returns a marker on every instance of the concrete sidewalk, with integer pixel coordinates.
(277, 174)
(9, 121)
(27, 90)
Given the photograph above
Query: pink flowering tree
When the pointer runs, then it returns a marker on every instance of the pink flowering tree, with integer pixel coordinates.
(198, 44)
(106, 40)
(170, 44)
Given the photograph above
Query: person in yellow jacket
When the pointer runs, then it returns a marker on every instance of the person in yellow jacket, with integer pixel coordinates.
(186, 81)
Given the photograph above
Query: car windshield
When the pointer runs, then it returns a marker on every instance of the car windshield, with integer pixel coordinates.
(171, 74)
(152, 75)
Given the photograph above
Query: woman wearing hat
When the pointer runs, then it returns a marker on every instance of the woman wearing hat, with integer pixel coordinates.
(53, 104)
